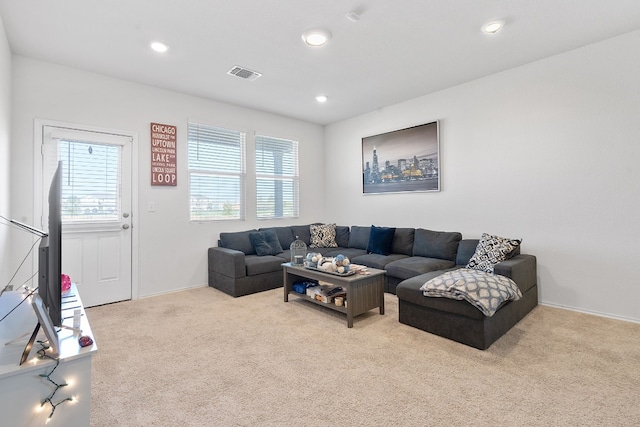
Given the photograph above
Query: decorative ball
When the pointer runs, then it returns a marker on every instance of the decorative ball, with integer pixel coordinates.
(85, 340)
(313, 259)
(66, 282)
(340, 260)
(328, 266)
(343, 269)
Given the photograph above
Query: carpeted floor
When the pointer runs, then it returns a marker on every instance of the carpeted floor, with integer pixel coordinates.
(202, 358)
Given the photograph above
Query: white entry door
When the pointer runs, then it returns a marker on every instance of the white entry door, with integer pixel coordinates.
(96, 209)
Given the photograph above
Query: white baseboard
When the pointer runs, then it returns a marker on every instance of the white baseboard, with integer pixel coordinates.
(595, 313)
(172, 291)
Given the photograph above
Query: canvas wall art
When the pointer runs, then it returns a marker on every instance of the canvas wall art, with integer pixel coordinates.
(405, 160)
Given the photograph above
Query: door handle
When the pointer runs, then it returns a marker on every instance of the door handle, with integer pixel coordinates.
(125, 226)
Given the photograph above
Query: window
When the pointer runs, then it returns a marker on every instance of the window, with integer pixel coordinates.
(216, 173)
(90, 181)
(91, 173)
(276, 178)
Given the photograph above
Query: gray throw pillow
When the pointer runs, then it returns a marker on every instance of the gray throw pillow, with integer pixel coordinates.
(265, 242)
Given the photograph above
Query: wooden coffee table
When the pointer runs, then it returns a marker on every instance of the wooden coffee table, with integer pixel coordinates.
(364, 291)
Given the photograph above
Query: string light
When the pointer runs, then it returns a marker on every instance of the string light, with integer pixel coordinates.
(42, 353)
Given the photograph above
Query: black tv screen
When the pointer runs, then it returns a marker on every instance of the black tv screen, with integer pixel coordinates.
(50, 254)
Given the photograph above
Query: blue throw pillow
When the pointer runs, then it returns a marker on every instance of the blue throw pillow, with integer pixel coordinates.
(380, 240)
(265, 242)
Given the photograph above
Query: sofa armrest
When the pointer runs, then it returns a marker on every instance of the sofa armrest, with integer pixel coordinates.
(228, 262)
(522, 269)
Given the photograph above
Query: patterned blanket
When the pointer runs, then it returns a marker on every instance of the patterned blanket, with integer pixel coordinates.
(485, 291)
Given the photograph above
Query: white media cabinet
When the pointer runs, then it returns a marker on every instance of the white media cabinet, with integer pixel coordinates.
(21, 387)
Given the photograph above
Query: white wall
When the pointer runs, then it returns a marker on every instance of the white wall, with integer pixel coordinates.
(548, 152)
(5, 118)
(172, 252)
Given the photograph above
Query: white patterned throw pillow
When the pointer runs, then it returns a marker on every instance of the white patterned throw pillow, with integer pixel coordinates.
(323, 236)
(492, 250)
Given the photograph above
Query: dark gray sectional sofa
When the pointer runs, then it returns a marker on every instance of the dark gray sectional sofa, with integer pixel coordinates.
(417, 255)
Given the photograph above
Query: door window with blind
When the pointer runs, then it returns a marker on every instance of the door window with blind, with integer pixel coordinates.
(216, 173)
(91, 179)
(276, 178)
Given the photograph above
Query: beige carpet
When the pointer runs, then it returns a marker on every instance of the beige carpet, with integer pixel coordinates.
(202, 358)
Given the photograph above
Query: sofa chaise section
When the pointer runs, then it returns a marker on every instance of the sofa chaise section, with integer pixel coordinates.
(459, 320)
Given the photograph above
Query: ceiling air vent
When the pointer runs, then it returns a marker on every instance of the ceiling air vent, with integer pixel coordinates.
(243, 73)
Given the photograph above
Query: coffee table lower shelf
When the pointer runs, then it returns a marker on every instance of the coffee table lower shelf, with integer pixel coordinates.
(364, 291)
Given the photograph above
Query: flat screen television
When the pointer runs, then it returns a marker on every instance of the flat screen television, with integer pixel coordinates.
(50, 254)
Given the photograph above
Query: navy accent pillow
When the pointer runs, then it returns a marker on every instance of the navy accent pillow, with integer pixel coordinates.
(265, 242)
(380, 240)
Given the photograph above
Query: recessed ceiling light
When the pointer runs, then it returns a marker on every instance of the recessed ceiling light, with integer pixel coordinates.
(159, 47)
(492, 27)
(316, 37)
(321, 98)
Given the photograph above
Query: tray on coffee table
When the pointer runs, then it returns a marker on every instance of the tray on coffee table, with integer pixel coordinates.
(335, 273)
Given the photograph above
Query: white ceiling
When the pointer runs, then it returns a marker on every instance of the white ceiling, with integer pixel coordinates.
(398, 50)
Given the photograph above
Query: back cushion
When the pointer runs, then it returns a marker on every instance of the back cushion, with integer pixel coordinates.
(303, 232)
(342, 236)
(359, 237)
(238, 240)
(436, 244)
(466, 249)
(403, 241)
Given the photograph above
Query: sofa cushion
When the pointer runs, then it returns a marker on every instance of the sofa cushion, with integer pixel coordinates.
(403, 241)
(265, 242)
(262, 264)
(436, 244)
(376, 260)
(350, 253)
(380, 240)
(285, 235)
(323, 236)
(412, 266)
(359, 237)
(238, 240)
(492, 250)
(302, 232)
(342, 236)
(466, 249)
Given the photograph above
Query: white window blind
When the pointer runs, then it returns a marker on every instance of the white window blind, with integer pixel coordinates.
(91, 179)
(216, 173)
(276, 178)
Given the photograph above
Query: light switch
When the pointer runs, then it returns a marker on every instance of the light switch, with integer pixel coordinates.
(151, 207)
